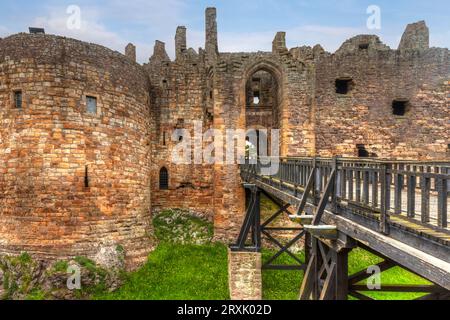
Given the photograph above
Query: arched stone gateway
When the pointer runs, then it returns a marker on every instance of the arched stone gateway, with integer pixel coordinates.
(263, 105)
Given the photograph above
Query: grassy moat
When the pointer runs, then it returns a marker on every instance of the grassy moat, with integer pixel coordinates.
(178, 270)
(199, 272)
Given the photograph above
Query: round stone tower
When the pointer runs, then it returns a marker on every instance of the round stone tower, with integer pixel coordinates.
(74, 150)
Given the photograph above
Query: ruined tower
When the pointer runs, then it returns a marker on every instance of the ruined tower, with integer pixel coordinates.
(211, 44)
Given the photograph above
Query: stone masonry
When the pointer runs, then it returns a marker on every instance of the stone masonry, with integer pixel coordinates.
(73, 181)
(245, 278)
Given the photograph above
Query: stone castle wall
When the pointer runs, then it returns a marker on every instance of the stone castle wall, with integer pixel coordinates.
(72, 181)
(179, 96)
(365, 116)
(50, 147)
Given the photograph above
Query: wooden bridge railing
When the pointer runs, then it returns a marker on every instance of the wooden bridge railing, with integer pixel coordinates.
(413, 190)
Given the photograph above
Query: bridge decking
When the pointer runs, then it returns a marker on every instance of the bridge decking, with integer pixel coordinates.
(398, 209)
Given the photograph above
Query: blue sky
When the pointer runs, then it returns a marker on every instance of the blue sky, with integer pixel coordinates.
(244, 25)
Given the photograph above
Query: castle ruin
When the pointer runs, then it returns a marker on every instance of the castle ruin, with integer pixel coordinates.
(86, 133)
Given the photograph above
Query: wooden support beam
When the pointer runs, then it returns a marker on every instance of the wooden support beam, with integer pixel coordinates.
(399, 288)
(418, 261)
(362, 275)
(323, 231)
(303, 220)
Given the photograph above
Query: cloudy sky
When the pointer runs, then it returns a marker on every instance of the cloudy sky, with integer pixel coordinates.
(244, 25)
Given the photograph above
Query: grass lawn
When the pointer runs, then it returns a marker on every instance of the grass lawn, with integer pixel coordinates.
(285, 285)
(178, 272)
(190, 272)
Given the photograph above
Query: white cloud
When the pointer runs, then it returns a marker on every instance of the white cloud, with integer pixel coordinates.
(91, 30)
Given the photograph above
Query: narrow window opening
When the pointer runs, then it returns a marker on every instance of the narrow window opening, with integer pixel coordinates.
(363, 46)
(211, 94)
(18, 99)
(163, 179)
(86, 177)
(362, 151)
(256, 98)
(91, 103)
(164, 138)
(343, 86)
(399, 107)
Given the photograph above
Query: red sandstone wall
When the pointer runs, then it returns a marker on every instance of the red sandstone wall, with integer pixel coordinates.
(180, 93)
(364, 116)
(45, 208)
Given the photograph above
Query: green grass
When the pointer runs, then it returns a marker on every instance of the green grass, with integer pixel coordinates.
(285, 285)
(178, 272)
(190, 272)
(281, 285)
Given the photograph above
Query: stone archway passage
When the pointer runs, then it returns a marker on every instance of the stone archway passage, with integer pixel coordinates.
(262, 108)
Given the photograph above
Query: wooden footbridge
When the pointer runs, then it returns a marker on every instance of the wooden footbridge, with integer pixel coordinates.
(395, 210)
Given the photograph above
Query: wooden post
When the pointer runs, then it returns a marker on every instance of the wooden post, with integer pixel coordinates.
(385, 179)
(335, 184)
(341, 260)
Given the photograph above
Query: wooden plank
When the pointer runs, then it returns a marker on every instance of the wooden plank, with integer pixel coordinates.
(309, 279)
(350, 184)
(426, 188)
(374, 190)
(358, 185)
(399, 180)
(442, 203)
(399, 288)
(343, 182)
(329, 287)
(306, 194)
(362, 275)
(385, 201)
(360, 296)
(366, 186)
(411, 197)
(325, 198)
(341, 259)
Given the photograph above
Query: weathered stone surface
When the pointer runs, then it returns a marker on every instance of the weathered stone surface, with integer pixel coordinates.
(110, 257)
(52, 148)
(244, 273)
(69, 179)
(24, 276)
(416, 37)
